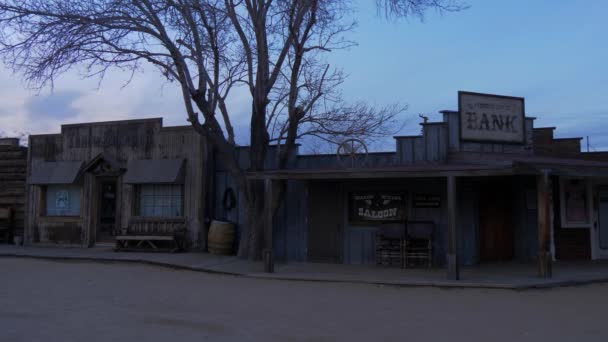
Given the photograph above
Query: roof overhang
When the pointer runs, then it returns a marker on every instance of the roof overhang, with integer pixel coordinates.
(481, 168)
(155, 171)
(411, 171)
(58, 172)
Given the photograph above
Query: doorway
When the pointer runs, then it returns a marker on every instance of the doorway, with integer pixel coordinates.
(324, 222)
(601, 227)
(108, 198)
(496, 220)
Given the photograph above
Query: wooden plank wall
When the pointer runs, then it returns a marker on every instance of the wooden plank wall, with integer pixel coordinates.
(525, 218)
(290, 229)
(13, 165)
(121, 141)
(358, 239)
(430, 147)
(467, 218)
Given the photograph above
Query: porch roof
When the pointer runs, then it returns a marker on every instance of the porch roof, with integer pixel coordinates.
(479, 166)
(399, 171)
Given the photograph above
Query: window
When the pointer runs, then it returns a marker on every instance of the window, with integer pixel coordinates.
(575, 200)
(62, 200)
(160, 200)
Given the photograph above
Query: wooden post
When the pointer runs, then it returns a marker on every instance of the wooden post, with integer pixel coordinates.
(268, 252)
(544, 226)
(452, 257)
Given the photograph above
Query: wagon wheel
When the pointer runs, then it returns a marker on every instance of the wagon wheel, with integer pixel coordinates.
(350, 151)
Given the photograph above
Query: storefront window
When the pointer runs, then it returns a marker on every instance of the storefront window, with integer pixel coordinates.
(575, 202)
(62, 200)
(160, 200)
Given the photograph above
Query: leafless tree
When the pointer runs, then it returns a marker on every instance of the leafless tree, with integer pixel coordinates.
(274, 48)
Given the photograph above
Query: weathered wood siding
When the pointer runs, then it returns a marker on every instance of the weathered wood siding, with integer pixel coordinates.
(467, 218)
(289, 231)
(13, 165)
(358, 239)
(525, 218)
(121, 141)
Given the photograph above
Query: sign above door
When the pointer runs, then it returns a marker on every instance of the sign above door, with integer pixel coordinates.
(491, 118)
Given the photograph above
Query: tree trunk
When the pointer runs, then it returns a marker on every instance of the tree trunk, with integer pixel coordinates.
(252, 238)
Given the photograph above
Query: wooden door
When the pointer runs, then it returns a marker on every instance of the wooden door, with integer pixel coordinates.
(496, 220)
(601, 227)
(107, 210)
(325, 213)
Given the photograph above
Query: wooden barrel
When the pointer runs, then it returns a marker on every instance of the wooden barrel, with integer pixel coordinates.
(221, 237)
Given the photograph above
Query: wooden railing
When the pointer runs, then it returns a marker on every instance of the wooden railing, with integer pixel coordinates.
(156, 225)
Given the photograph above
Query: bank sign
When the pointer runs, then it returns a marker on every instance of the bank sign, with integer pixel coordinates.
(377, 207)
(491, 118)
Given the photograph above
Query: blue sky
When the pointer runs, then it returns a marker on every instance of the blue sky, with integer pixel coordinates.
(553, 53)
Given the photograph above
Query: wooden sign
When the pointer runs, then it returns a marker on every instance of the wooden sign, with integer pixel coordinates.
(427, 201)
(377, 207)
(491, 118)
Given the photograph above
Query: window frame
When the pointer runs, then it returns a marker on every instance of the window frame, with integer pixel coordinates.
(44, 212)
(588, 197)
(137, 208)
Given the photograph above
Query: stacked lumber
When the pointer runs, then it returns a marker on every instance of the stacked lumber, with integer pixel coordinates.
(13, 170)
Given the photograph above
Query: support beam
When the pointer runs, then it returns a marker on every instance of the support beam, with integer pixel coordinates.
(452, 257)
(268, 254)
(544, 225)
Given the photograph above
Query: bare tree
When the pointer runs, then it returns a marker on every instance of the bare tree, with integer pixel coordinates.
(274, 48)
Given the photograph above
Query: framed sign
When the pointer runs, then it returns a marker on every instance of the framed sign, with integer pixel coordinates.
(62, 200)
(427, 201)
(575, 202)
(377, 206)
(491, 118)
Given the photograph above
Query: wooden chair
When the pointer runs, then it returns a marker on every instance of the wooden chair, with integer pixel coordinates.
(418, 243)
(389, 247)
(7, 224)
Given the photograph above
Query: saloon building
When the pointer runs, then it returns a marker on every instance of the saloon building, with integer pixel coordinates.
(484, 184)
(481, 185)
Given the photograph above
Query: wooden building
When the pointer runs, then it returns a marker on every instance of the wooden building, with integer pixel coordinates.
(494, 187)
(13, 165)
(486, 184)
(93, 181)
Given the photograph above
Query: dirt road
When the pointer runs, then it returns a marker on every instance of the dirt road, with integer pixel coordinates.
(69, 301)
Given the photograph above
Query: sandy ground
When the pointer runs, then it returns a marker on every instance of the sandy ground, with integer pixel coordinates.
(72, 301)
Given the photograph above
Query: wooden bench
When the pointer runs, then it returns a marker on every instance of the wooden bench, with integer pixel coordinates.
(153, 234)
(7, 224)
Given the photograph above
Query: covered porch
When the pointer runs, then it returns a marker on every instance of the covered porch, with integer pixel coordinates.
(542, 171)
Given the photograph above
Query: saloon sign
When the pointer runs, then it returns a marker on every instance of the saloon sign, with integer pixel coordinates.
(377, 206)
(491, 118)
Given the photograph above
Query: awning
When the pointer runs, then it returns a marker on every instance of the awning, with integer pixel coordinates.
(482, 166)
(582, 170)
(157, 171)
(60, 172)
(397, 171)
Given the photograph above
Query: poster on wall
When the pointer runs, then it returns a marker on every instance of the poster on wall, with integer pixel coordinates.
(575, 203)
(377, 206)
(62, 200)
(427, 201)
(491, 118)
